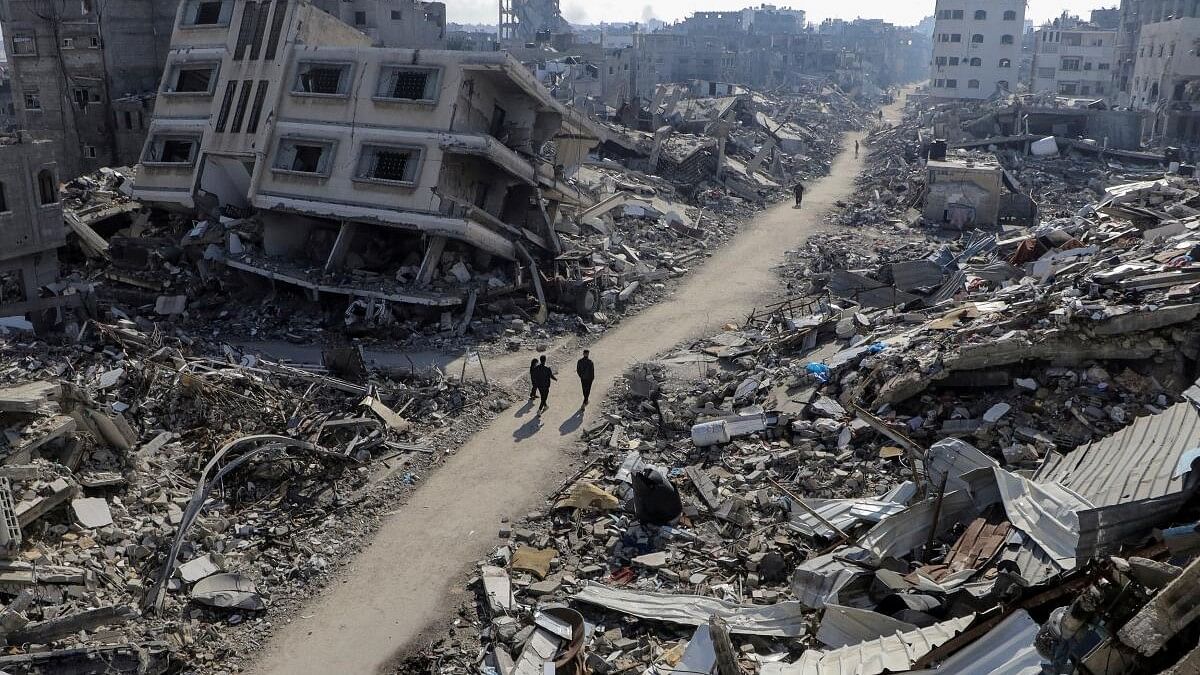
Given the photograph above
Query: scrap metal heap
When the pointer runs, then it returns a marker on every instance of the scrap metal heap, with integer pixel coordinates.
(160, 493)
(968, 455)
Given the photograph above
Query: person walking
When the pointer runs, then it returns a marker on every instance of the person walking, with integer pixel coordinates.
(799, 190)
(587, 374)
(533, 366)
(542, 381)
(856, 148)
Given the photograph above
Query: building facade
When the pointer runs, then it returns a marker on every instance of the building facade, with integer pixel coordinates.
(31, 222)
(976, 48)
(85, 74)
(358, 161)
(400, 23)
(1074, 58)
(1166, 72)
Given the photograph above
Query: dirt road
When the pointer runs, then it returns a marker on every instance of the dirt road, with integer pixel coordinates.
(410, 576)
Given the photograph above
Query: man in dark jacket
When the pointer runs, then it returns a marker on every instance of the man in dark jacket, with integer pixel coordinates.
(799, 191)
(587, 374)
(533, 365)
(542, 378)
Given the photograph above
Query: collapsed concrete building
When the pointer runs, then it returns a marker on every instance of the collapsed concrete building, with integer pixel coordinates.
(31, 224)
(525, 22)
(369, 170)
(85, 73)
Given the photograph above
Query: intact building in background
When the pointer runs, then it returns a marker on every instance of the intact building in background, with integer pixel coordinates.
(1074, 58)
(85, 73)
(976, 48)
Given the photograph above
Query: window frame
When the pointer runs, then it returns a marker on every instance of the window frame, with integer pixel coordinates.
(191, 10)
(344, 82)
(326, 160)
(37, 95)
(164, 137)
(177, 67)
(434, 84)
(1010, 15)
(45, 199)
(417, 164)
(1008, 40)
(31, 40)
(981, 15)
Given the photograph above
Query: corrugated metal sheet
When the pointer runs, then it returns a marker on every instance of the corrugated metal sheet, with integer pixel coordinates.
(1033, 564)
(894, 654)
(817, 581)
(913, 274)
(848, 513)
(783, 619)
(843, 626)
(1133, 464)
(1008, 649)
(1130, 477)
(954, 284)
(899, 535)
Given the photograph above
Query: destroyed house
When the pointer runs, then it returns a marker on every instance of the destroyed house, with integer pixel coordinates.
(366, 170)
(964, 193)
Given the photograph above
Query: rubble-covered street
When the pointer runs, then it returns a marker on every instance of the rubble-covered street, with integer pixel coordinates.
(350, 336)
(954, 452)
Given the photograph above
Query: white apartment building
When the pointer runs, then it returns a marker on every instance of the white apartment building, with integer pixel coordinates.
(976, 47)
(369, 168)
(1073, 58)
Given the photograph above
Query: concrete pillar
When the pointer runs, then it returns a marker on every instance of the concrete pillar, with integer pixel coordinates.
(660, 137)
(433, 256)
(341, 246)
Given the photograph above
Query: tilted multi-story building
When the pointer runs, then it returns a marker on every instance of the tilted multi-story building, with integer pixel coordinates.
(345, 151)
(1074, 58)
(976, 48)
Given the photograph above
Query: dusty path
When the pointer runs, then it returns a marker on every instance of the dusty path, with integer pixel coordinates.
(409, 576)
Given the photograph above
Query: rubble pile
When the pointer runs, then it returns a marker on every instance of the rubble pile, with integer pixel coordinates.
(1001, 453)
(161, 506)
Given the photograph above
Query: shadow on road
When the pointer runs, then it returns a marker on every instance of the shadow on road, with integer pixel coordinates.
(571, 424)
(528, 429)
(525, 409)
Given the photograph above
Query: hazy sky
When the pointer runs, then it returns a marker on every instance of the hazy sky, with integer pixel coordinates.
(904, 13)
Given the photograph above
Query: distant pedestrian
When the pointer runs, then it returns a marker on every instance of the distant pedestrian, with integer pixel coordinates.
(881, 114)
(542, 378)
(799, 190)
(587, 374)
(856, 148)
(533, 366)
